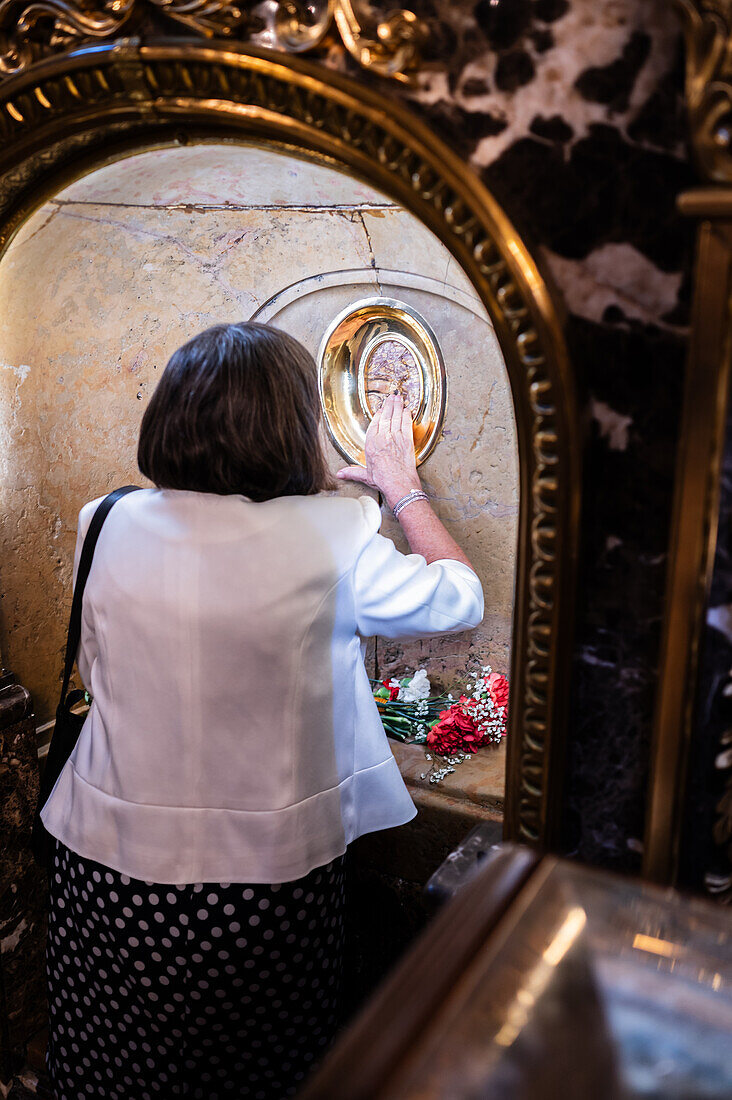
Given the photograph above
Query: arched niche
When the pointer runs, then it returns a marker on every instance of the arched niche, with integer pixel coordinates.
(81, 110)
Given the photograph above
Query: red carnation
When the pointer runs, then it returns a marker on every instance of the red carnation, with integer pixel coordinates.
(393, 690)
(444, 740)
(497, 689)
(455, 732)
(465, 721)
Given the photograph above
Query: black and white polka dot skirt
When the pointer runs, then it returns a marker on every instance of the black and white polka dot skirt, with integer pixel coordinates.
(202, 990)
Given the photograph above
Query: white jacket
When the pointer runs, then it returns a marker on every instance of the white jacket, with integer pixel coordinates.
(233, 736)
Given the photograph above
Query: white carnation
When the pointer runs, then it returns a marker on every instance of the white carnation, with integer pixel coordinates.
(417, 688)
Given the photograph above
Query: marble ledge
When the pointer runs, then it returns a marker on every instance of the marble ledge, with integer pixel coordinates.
(479, 781)
(446, 813)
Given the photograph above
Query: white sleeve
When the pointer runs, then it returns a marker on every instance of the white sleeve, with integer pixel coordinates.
(401, 596)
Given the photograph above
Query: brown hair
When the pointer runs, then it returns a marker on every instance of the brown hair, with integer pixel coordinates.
(236, 410)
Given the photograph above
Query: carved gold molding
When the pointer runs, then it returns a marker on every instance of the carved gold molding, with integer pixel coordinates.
(34, 29)
(707, 30)
(68, 116)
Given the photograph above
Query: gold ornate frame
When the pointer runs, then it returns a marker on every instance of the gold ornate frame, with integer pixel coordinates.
(342, 356)
(65, 115)
(707, 26)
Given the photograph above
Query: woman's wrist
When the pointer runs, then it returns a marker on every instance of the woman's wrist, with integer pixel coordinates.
(396, 491)
(416, 496)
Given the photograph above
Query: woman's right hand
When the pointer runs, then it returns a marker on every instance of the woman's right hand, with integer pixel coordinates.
(391, 466)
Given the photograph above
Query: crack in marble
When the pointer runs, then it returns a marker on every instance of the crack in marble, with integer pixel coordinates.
(484, 418)
(49, 219)
(372, 257)
(191, 207)
(351, 212)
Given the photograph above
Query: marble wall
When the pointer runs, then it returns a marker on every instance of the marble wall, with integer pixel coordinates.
(106, 280)
(472, 476)
(571, 111)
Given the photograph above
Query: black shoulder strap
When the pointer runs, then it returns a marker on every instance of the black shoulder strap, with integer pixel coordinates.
(85, 561)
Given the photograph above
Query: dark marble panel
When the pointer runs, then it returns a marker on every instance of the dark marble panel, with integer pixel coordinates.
(22, 896)
(572, 113)
(386, 914)
(706, 843)
(599, 194)
(628, 481)
(612, 84)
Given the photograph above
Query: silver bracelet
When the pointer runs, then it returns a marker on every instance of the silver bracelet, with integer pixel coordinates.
(416, 494)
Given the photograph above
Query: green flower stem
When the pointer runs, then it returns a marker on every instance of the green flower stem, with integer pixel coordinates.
(395, 720)
(402, 729)
(409, 721)
(400, 735)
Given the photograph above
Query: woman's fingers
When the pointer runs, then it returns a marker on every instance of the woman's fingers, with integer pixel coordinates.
(407, 425)
(382, 423)
(393, 411)
(389, 450)
(354, 473)
(377, 420)
(387, 426)
(401, 422)
(373, 427)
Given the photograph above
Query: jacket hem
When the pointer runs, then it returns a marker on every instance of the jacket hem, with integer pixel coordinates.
(154, 843)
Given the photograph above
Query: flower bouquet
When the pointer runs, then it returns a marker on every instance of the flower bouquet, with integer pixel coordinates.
(449, 728)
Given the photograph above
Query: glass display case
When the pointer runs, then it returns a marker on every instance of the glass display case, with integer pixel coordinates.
(541, 978)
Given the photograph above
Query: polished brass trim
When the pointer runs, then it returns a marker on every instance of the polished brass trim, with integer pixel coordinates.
(693, 536)
(706, 202)
(707, 26)
(64, 116)
(391, 46)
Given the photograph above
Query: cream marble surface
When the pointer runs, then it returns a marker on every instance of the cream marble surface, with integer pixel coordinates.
(472, 475)
(226, 175)
(102, 284)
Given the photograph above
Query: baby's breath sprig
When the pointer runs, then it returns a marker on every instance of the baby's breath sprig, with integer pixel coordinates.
(442, 766)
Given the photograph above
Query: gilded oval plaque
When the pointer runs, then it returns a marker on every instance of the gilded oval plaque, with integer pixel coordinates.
(373, 348)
